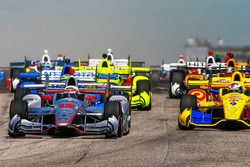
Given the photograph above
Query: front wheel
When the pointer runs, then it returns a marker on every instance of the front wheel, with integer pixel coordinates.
(182, 127)
(20, 108)
(113, 108)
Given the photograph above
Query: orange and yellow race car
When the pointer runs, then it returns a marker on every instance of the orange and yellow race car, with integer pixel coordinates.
(225, 104)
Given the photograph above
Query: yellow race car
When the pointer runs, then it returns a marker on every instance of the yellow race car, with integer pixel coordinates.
(142, 94)
(225, 107)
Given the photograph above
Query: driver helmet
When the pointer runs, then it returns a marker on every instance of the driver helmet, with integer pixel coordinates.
(109, 51)
(45, 52)
(217, 54)
(236, 87)
(210, 53)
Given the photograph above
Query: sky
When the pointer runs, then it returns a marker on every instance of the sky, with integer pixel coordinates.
(148, 30)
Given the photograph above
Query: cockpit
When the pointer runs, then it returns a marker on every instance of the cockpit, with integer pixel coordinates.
(236, 87)
(65, 95)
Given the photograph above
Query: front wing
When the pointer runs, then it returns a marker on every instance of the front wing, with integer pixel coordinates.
(199, 118)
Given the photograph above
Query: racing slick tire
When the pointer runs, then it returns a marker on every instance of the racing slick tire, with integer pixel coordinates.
(187, 101)
(247, 92)
(154, 78)
(114, 108)
(224, 91)
(18, 107)
(176, 76)
(143, 85)
(182, 127)
(148, 108)
(19, 94)
(128, 128)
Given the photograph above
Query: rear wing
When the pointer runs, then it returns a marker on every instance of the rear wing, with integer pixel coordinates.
(156, 68)
(17, 64)
(90, 88)
(138, 64)
(140, 69)
(82, 76)
(245, 68)
(200, 65)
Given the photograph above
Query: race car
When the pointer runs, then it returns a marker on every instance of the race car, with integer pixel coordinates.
(159, 77)
(199, 73)
(43, 66)
(126, 73)
(78, 110)
(223, 108)
(142, 94)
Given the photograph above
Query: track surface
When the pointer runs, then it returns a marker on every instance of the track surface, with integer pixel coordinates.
(154, 141)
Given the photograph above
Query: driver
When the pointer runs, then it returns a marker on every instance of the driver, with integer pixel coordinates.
(236, 87)
(110, 56)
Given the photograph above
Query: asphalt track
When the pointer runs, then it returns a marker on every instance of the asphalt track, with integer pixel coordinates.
(154, 141)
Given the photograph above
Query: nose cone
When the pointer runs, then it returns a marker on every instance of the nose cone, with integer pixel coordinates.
(65, 115)
(233, 106)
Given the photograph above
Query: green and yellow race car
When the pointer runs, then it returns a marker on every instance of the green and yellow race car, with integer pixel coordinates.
(123, 72)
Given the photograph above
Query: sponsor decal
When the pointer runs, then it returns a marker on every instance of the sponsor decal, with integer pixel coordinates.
(200, 94)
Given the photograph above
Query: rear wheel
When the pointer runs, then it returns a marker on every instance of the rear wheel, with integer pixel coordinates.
(148, 108)
(247, 92)
(143, 85)
(19, 94)
(154, 78)
(176, 76)
(224, 91)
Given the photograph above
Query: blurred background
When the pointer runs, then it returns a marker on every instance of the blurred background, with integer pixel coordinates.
(150, 30)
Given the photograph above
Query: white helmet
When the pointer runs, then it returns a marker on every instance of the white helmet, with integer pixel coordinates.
(236, 87)
(109, 51)
(45, 52)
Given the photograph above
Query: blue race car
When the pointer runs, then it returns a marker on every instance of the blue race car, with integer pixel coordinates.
(79, 110)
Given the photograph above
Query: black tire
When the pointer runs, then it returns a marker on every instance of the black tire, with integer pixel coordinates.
(128, 128)
(176, 76)
(114, 108)
(120, 127)
(148, 108)
(224, 91)
(188, 101)
(126, 95)
(182, 127)
(247, 92)
(170, 91)
(191, 87)
(19, 93)
(18, 107)
(111, 108)
(81, 97)
(154, 78)
(143, 85)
